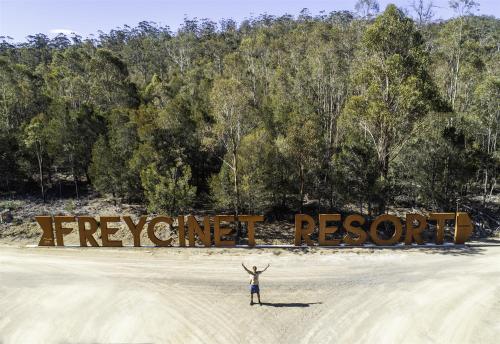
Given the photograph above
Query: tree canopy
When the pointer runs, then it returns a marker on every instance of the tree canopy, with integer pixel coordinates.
(366, 110)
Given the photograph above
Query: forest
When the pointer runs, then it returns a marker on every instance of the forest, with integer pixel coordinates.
(362, 110)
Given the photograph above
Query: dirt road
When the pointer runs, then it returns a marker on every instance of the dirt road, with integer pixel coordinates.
(201, 296)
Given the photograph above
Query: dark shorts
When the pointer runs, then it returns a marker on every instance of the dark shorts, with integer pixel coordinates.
(254, 289)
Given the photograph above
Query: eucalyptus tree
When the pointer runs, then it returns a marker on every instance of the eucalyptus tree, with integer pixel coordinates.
(35, 139)
(262, 116)
(393, 91)
(367, 8)
(233, 120)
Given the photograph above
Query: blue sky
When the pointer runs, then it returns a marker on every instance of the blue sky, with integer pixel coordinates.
(19, 18)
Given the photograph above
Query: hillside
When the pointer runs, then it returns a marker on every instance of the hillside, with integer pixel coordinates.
(272, 115)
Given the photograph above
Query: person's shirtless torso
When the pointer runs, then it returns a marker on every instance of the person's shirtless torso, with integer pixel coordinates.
(255, 278)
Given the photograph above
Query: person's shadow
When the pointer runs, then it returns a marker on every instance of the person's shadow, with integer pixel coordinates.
(289, 304)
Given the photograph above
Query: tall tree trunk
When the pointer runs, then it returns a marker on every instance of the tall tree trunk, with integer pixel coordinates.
(301, 173)
(237, 205)
(485, 189)
(87, 177)
(58, 182)
(383, 174)
(75, 179)
(40, 171)
(49, 174)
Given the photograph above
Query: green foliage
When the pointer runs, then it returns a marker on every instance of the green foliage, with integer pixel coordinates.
(169, 191)
(394, 90)
(337, 110)
(233, 120)
(36, 140)
(111, 171)
(101, 170)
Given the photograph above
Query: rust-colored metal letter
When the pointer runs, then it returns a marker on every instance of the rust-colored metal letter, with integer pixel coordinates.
(194, 228)
(136, 229)
(87, 234)
(463, 228)
(361, 234)
(181, 231)
(398, 230)
(324, 229)
(220, 231)
(151, 231)
(107, 231)
(45, 223)
(60, 230)
(302, 233)
(441, 218)
(413, 232)
(251, 219)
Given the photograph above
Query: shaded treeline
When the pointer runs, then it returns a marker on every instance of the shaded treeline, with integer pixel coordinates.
(276, 113)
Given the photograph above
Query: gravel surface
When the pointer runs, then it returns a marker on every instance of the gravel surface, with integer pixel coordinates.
(173, 295)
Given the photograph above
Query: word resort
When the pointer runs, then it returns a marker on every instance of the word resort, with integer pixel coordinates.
(55, 228)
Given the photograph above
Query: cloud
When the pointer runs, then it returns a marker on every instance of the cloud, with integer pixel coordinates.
(63, 31)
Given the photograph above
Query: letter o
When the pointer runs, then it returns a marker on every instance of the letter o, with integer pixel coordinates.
(398, 230)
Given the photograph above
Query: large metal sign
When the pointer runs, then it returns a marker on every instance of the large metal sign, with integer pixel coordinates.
(216, 230)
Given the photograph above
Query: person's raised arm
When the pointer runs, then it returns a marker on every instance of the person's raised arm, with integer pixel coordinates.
(244, 267)
(268, 265)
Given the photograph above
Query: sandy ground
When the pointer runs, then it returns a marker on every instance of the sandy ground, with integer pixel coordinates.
(74, 295)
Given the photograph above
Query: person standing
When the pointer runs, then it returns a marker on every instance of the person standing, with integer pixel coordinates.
(254, 282)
